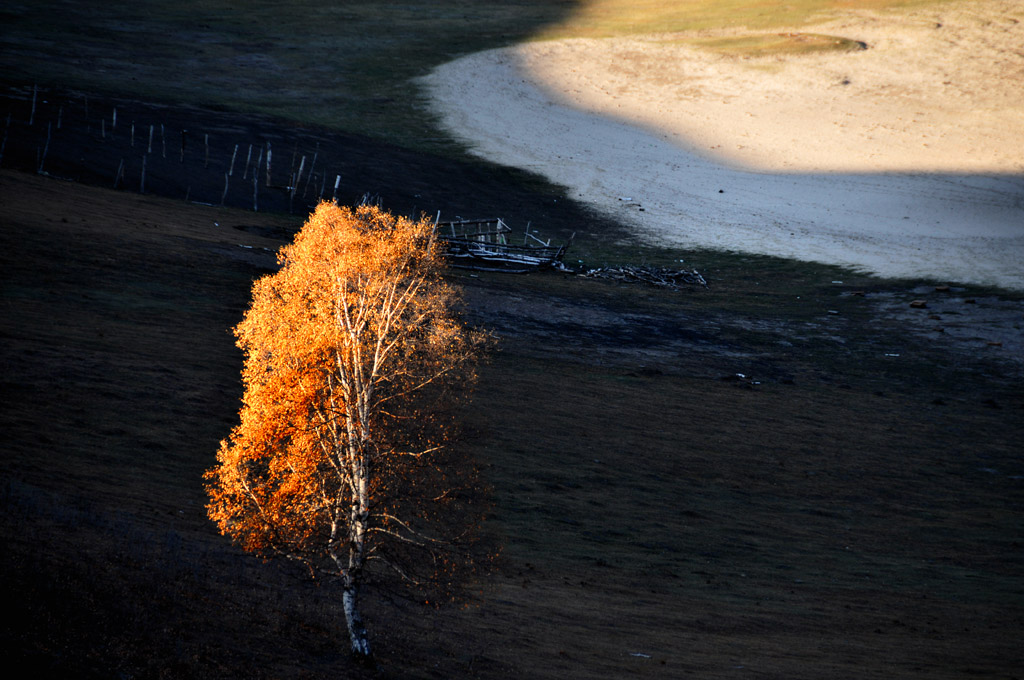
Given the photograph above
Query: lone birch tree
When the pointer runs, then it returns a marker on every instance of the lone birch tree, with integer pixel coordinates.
(354, 358)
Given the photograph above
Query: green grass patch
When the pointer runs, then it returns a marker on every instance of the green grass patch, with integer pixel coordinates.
(779, 44)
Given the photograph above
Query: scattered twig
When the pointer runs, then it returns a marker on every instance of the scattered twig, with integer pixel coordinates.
(652, 276)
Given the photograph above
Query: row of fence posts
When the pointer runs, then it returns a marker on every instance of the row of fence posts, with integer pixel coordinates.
(296, 177)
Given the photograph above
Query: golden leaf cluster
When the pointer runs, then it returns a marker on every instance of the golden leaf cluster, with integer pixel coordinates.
(354, 361)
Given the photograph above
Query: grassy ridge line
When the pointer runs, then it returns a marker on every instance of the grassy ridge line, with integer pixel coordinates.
(606, 18)
(346, 67)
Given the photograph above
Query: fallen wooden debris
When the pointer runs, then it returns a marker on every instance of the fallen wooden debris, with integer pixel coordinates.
(484, 245)
(652, 276)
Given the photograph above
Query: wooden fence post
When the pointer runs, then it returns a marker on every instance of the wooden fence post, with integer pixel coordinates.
(248, 157)
(3, 145)
(256, 182)
(311, 166)
(298, 175)
(46, 149)
(269, 153)
(296, 178)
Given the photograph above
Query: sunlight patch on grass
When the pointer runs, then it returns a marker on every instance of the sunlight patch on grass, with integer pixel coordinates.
(608, 18)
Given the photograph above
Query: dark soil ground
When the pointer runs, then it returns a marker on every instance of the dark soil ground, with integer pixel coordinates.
(792, 474)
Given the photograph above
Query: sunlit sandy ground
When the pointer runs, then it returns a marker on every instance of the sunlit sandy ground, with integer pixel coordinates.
(905, 159)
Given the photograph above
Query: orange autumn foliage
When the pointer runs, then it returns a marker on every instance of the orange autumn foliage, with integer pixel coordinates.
(354, 360)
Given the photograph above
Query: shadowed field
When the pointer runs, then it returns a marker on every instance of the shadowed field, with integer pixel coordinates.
(835, 511)
(793, 474)
(343, 65)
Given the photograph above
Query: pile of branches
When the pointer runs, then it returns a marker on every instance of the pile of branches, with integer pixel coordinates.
(652, 276)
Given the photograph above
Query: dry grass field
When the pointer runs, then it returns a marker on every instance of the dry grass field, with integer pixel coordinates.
(605, 18)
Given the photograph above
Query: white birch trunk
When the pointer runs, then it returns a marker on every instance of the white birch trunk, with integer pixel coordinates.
(358, 518)
(356, 631)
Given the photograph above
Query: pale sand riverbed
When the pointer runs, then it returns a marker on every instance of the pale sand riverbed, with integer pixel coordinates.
(904, 159)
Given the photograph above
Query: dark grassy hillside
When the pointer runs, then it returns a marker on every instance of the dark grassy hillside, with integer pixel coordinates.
(342, 65)
(836, 511)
